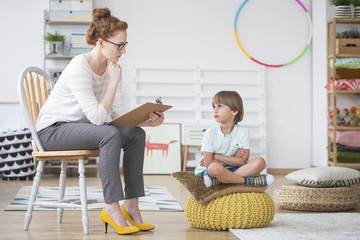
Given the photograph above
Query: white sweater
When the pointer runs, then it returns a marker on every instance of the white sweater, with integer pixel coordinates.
(76, 97)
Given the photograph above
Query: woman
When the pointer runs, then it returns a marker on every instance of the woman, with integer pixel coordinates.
(86, 96)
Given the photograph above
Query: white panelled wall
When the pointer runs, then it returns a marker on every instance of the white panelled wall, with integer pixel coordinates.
(200, 32)
(190, 90)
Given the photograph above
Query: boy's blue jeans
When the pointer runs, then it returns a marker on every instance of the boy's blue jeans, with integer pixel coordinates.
(231, 169)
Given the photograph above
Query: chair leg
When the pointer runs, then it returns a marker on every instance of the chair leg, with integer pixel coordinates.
(34, 192)
(83, 196)
(62, 184)
(97, 167)
(186, 150)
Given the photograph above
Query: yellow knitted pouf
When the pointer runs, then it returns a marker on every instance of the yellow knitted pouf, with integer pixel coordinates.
(238, 210)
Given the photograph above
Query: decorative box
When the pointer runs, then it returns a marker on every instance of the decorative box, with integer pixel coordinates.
(347, 46)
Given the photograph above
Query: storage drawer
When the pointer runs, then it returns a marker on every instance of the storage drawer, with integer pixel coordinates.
(70, 16)
(347, 46)
(70, 5)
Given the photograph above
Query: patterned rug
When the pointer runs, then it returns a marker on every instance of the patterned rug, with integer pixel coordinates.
(156, 198)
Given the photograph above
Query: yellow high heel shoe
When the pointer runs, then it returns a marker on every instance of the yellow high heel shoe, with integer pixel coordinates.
(141, 226)
(106, 219)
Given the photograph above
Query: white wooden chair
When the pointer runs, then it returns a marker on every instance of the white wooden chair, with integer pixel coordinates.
(34, 85)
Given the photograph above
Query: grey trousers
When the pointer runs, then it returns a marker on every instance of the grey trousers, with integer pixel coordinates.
(109, 140)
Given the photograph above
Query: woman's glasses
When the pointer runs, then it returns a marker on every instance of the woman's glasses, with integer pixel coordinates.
(120, 46)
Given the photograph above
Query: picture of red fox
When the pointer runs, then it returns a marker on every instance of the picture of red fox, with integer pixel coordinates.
(157, 146)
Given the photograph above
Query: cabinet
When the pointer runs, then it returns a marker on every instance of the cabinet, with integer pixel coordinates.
(334, 94)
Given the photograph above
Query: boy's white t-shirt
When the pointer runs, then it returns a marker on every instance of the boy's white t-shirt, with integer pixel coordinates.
(76, 96)
(216, 142)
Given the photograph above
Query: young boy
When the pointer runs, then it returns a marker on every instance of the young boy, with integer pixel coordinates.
(225, 147)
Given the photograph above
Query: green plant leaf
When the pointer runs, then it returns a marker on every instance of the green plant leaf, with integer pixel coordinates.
(339, 2)
(352, 33)
(355, 2)
(53, 37)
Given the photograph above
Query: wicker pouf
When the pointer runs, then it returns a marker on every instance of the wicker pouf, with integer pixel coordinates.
(238, 210)
(298, 197)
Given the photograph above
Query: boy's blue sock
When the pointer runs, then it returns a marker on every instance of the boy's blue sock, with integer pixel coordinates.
(261, 180)
(209, 180)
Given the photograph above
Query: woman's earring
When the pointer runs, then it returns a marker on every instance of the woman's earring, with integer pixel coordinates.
(100, 42)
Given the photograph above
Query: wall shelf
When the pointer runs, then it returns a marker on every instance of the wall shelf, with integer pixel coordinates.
(67, 22)
(55, 64)
(59, 57)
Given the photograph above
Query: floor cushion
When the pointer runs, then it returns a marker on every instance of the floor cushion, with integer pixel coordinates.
(237, 210)
(16, 161)
(324, 177)
(297, 197)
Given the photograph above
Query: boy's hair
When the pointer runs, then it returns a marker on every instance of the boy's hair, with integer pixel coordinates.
(231, 99)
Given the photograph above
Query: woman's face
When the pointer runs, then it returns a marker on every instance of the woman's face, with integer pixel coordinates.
(114, 46)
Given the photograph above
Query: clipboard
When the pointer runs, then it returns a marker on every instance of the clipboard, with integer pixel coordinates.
(139, 114)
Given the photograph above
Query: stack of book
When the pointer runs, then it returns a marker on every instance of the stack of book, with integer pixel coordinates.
(78, 44)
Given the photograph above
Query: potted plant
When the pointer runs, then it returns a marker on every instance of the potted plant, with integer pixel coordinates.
(342, 8)
(348, 42)
(356, 4)
(55, 43)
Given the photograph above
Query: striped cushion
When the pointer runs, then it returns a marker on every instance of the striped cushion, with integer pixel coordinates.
(325, 177)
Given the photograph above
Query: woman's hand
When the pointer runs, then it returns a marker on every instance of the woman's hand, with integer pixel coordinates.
(155, 119)
(115, 72)
(107, 100)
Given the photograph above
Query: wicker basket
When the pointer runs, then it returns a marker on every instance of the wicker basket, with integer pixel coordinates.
(301, 198)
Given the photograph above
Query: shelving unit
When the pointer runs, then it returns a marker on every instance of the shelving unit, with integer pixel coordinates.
(92, 163)
(54, 64)
(332, 95)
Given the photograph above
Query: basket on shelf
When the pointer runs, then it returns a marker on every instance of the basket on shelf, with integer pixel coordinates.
(345, 117)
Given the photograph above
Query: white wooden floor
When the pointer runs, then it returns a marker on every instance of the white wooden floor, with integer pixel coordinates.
(169, 225)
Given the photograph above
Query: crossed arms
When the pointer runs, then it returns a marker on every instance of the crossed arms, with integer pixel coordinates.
(240, 158)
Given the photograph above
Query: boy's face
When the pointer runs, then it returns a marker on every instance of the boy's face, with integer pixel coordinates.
(223, 113)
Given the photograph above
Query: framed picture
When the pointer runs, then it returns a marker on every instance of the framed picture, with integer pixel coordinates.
(162, 149)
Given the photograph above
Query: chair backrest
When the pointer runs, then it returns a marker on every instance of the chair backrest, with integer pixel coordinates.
(34, 87)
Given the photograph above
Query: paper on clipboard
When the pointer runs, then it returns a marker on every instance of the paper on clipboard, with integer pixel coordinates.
(138, 115)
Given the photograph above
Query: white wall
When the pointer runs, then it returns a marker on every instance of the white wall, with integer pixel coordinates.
(319, 76)
(200, 32)
(21, 42)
